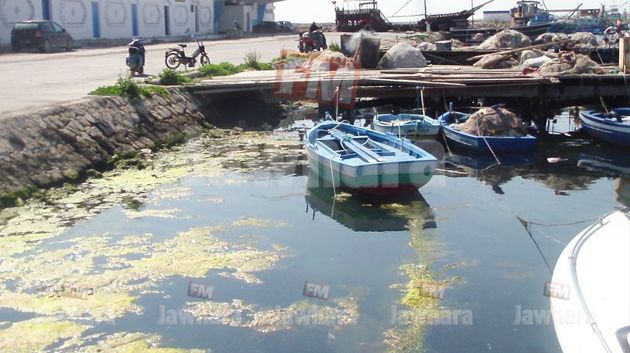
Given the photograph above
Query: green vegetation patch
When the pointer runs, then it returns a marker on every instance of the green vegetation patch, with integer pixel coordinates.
(36, 334)
(128, 88)
(129, 342)
(334, 46)
(170, 77)
(221, 69)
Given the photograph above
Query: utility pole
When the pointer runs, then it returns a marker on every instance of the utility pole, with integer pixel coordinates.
(472, 18)
(428, 29)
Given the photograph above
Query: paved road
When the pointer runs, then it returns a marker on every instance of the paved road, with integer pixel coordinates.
(33, 80)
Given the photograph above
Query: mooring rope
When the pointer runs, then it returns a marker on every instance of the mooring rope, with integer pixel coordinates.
(526, 222)
(446, 142)
(332, 178)
(486, 141)
(604, 105)
(422, 100)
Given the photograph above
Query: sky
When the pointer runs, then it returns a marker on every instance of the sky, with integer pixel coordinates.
(306, 11)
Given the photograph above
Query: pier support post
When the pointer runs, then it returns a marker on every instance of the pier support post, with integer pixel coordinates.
(624, 55)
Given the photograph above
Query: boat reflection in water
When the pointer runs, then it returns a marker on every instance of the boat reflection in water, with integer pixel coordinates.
(486, 168)
(423, 285)
(362, 212)
(571, 165)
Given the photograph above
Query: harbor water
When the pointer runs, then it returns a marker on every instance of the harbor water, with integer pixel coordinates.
(227, 244)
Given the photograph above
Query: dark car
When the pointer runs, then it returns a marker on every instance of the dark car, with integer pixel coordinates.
(41, 35)
(273, 27)
(286, 26)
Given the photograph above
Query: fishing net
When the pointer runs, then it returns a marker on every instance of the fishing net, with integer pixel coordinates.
(550, 37)
(507, 38)
(493, 122)
(569, 63)
(530, 54)
(495, 61)
(584, 40)
(326, 61)
(402, 55)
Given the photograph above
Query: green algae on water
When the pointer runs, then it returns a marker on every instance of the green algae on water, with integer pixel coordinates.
(36, 334)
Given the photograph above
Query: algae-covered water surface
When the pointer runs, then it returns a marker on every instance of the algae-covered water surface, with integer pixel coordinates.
(226, 244)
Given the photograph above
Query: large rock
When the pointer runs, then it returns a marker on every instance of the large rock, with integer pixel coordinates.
(505, 39)
(403, 55)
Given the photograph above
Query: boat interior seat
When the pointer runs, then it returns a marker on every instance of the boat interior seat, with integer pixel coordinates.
(385, 153)
(347, 155)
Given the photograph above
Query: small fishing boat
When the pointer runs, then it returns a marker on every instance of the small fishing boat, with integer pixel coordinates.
(406, 125)
(613, 127)
(484, 144)
(358, 158)
(590, 288)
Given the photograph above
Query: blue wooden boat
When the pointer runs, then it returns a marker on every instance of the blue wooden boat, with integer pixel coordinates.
(407, 125)
(358, 158)
(457, 138)
(613, 127)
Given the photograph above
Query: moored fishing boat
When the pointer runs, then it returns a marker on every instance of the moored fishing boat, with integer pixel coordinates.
(613, 127)
(476, 143)
(354, 157)
(407, 125)
(590, 288)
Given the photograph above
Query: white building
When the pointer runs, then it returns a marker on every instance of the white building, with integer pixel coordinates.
(246, 13)
(89, 19)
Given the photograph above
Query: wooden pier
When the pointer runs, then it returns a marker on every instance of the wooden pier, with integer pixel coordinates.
(534, 95)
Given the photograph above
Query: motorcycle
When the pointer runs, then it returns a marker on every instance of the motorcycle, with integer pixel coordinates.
(135, 58)
(176, 56)
(310, 41)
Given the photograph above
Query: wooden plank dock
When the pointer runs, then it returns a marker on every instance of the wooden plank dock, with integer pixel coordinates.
(535, 97)
(441, 81)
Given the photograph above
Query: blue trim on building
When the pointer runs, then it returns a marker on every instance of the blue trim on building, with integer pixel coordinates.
(218, 12)
(46, 10)
(261, 13)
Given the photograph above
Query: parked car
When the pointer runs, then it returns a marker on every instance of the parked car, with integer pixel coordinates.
(273, 27)
(286, 26)
(40, 34)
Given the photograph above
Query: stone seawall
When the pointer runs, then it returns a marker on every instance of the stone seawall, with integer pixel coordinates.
(57, 144)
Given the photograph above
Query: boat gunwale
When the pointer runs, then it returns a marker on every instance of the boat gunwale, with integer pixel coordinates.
(600, 118)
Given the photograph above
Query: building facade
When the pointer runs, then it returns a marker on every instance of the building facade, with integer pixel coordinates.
(111, 19)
